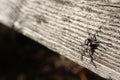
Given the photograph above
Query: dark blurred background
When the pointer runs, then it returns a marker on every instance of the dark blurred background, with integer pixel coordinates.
(24, 59)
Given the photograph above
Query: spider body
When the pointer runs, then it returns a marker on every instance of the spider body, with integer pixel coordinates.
(92, 43)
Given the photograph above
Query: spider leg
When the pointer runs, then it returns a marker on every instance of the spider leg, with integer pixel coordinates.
(108, 44)
(88, 50)
(105, 43)
(96, 33)
(94, 37)
(91, 56)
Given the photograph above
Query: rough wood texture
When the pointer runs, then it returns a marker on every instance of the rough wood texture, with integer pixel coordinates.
(9, 10)
(64, 25)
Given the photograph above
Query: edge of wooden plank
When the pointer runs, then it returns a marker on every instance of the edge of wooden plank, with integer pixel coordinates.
(101, 70)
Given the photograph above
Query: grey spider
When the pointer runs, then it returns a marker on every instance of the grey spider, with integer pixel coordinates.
(90, 45)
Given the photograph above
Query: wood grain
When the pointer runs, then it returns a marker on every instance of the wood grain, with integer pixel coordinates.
(64, 25)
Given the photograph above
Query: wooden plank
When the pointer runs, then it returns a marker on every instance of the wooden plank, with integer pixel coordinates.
(64, 25)
(9, 10)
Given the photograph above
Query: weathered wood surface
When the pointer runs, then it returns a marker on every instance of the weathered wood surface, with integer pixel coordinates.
(9, 10)
(64, 25)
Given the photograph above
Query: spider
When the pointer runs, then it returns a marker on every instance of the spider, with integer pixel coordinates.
(90, 45)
